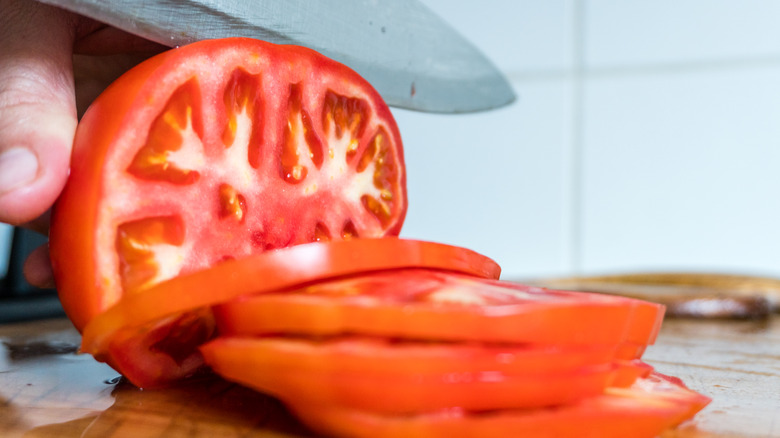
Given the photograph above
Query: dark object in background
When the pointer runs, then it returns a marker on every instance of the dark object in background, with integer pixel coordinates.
(20, 301)
(686, 294)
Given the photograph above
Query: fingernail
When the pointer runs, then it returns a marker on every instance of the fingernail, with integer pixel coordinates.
(18, 167)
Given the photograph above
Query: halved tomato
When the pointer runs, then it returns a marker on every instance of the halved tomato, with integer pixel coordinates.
(445, 306)
(402, 391)
(642, 411)
(214, 151)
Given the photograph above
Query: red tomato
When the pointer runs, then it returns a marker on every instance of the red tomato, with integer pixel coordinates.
(428, 305)
(671, 389)
(321, 374)
(218, 150)
(157, 354)
(170, 328)
(628, 371)
(360, 354)
(642, 411)
(279, 269)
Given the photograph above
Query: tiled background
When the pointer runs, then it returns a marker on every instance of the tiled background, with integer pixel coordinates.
(646, 136)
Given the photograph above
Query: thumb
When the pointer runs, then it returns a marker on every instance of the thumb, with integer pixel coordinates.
(37, 107)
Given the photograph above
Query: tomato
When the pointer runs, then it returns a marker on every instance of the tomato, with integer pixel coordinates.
(671, 389)
(472, 384)
(155, 355)
(631, 350)
(628, 371)
(275, 270)
(361, 354)
(642, 411)
(218, 150)
(428, 305)
(153, 341)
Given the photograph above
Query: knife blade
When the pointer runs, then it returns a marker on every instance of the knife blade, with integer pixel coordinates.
(410, 55)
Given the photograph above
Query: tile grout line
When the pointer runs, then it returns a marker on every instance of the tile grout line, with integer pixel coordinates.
(575, 168)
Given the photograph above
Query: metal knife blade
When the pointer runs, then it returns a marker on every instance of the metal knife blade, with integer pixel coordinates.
(413, 58)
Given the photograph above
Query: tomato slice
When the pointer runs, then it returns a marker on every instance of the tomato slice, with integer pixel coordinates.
(155, 355)
(381, 388)
(217, 150)
(642, 411)
(134, 324)
(671, 389)
(361, 354)
(428, 305)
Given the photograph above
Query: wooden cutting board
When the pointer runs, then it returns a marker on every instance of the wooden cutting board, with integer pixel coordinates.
(46, 390)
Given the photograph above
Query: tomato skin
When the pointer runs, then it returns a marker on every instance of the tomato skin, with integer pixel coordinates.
(419, 304)
(106, 157)
(642, 411)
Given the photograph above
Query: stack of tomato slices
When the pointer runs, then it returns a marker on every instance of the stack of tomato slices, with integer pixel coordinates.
(421, 352)
(394, 337)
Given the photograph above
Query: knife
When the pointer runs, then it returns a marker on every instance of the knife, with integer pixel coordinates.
(413, 58)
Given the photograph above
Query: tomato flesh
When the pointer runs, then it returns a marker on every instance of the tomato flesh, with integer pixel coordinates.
(642, 411)
(428, 305)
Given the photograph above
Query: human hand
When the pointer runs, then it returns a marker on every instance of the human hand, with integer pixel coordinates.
(52, 64)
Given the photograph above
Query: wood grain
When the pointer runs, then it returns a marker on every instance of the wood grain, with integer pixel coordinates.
(46, 390)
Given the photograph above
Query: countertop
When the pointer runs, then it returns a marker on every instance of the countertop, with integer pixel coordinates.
(47, 390)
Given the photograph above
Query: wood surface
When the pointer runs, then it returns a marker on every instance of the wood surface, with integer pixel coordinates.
(47, 390)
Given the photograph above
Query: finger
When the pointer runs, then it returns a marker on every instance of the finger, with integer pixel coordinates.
(37, 268)
(37, 108)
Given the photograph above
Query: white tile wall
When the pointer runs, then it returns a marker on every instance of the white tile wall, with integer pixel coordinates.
(493, 181)
(646, 137)
(498, 181)
(681, 171)
(671, 32)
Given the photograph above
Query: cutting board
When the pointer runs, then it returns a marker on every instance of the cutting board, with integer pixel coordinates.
(47, 390)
